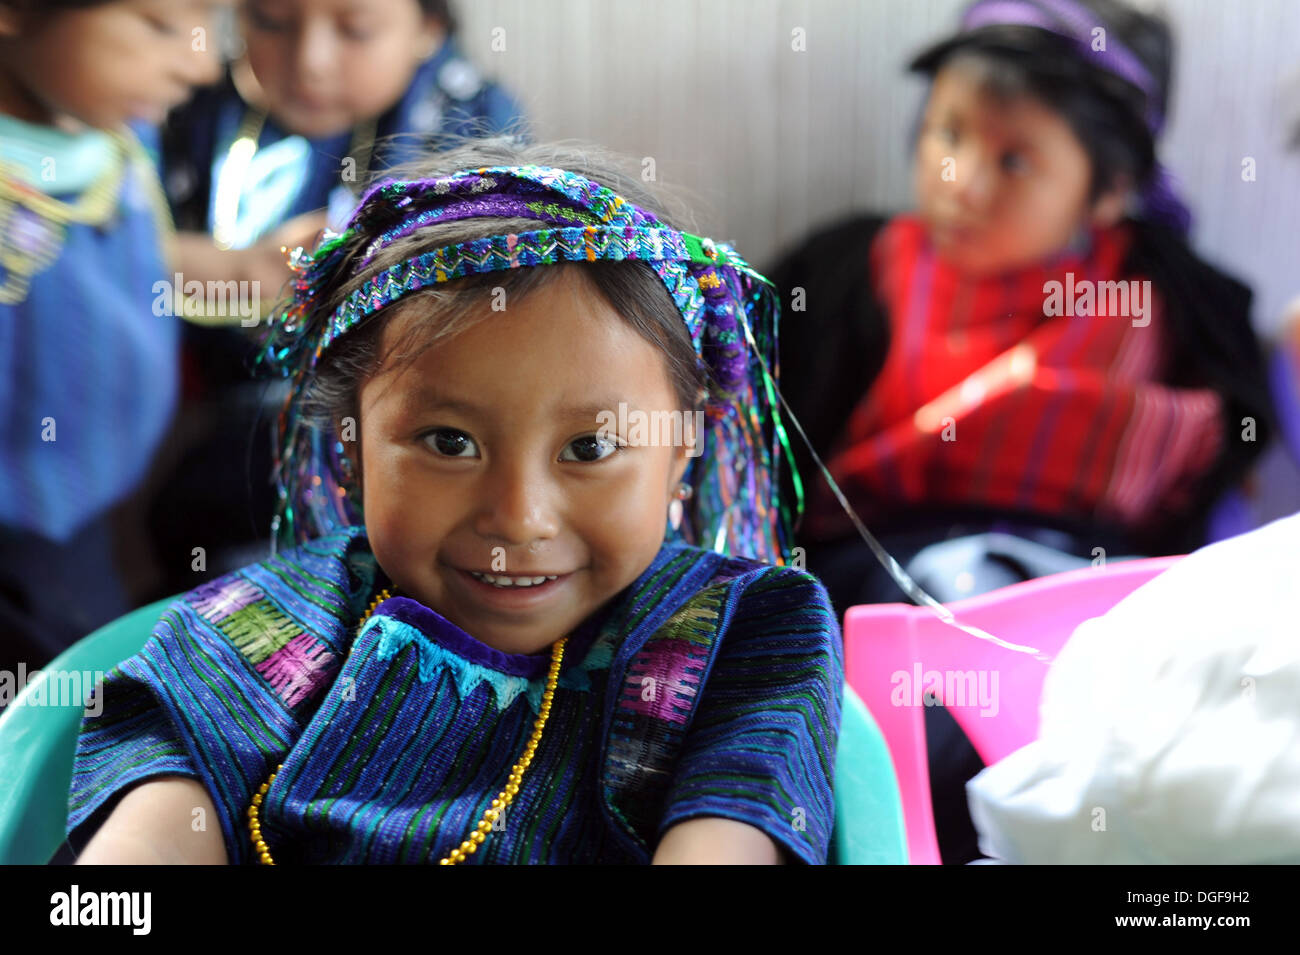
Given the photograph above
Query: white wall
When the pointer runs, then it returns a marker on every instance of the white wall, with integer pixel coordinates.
(778, 141)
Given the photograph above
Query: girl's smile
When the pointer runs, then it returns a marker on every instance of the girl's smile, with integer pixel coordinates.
(523, 592)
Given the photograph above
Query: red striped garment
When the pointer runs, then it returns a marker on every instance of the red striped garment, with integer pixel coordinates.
(996, 393)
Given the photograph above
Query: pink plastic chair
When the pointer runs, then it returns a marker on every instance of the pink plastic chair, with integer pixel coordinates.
(893, 653)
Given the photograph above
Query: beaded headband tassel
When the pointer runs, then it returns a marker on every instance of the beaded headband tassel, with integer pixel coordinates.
(729, 310)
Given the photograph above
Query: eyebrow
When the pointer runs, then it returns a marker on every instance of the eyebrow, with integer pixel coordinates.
(427, 399)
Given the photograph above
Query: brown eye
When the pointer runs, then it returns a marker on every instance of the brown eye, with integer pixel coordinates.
(162, 27)
(1015, 163)
(263, 21)
(589, 448)
(451, 443)
(356, 33)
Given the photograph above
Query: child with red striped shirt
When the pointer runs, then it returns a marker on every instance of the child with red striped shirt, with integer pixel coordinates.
(1035, 350)
(1035, 347)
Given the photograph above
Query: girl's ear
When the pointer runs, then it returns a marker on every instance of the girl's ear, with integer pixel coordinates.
(680, 463)
(692, 426)
(1110, 206)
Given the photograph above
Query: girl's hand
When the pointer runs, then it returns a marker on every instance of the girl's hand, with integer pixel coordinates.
(262, 265)
(266, 264)
(716, 841)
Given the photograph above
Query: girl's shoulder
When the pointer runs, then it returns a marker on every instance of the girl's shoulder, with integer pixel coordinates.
(89, 202)
(740, 573)
(337, 569)
(698, 605)
(731, 598)
(1169, 260)
(705, 682)
(288, 618)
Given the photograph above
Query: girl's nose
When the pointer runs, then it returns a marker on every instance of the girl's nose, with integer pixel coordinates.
(516, 506)
(317, 51)
(974, 180)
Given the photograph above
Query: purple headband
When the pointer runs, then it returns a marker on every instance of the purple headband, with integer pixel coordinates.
(729, 311)
(1075, 22)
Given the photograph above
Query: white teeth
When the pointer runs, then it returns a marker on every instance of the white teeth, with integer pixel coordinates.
(497, 580)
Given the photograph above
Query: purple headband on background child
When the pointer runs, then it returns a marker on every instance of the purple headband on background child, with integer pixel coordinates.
(1075, 22)
(729, 310)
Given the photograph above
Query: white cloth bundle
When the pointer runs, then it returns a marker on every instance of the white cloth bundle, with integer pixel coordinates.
(1170, 726)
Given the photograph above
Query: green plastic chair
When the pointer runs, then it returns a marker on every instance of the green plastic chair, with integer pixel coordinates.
(868, 806)
(37, 744)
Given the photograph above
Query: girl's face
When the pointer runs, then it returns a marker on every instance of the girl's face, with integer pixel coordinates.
(107, 64)
(1000, 184)
(325, 65)
(483, 457)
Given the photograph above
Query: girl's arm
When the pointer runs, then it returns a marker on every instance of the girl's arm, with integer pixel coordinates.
(198, 259)
(755, 768)
(155, 824)
(713, 840)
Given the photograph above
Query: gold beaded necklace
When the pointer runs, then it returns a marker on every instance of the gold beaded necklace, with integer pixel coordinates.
(499, 804)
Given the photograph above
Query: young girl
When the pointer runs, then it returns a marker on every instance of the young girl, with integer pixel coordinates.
(520, 399)
(1018, 355)
(87, 371)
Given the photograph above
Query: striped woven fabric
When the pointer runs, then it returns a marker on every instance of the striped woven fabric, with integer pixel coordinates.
(989, 398)
(710, 687)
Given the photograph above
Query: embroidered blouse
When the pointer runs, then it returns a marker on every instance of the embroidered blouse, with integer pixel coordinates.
(710, 687)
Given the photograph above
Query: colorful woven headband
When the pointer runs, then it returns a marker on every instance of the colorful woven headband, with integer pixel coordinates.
(729, 310)
(1075, 22)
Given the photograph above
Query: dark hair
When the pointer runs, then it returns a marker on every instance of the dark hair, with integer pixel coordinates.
(1106, 113)
(632, 289)
(441, 11)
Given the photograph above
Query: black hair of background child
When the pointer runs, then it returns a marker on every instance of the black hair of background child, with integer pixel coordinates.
(1106, 113)
(441, 11)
